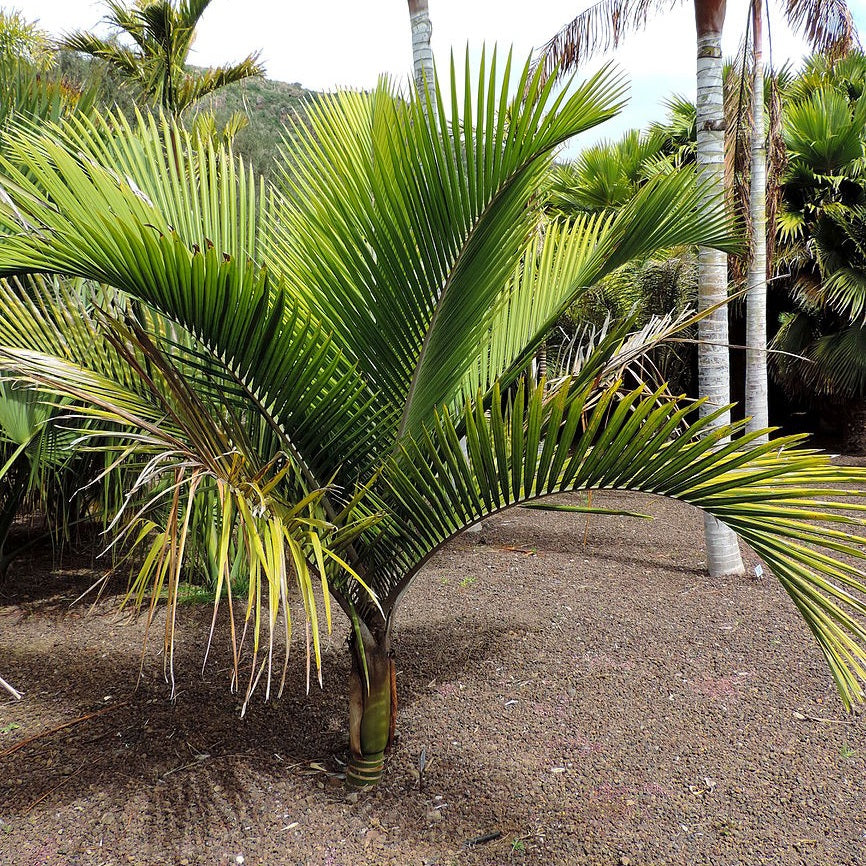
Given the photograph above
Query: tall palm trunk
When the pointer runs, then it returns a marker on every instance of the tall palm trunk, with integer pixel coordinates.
(723, 552)
(372, 705)
(756, 309)
(422, 52)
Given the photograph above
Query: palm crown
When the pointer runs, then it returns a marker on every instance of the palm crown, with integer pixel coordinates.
(341, 358)
(162, 33)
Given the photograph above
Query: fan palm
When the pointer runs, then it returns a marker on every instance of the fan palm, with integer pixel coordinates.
(162, 33)
(368, 315)
(822, 225)
(827, 26)
(605, 176)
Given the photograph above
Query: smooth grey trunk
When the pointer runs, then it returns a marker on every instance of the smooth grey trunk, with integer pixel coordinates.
(756, 305)
(723, 551)
(422, 52)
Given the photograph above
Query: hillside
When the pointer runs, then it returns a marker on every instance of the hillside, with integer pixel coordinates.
(268, 105)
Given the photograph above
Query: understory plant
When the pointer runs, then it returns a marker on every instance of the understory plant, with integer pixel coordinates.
(341, 358)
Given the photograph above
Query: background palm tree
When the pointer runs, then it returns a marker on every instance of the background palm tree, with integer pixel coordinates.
(162, 33)
(422, 52)
(821, 253)
(23, 41)
(316, 353)
(603, 26)
(830, 29)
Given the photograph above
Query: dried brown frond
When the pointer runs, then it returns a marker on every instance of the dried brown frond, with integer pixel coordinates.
(738, 150)
(596, 30)
(827, 25)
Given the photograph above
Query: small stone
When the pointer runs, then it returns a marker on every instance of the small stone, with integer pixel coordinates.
(352, 797)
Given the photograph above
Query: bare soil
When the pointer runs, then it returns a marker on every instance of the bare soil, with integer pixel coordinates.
(592, 703)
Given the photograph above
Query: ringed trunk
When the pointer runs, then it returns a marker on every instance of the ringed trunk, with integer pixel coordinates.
(372, 706)
(723, 551)
(756, 305)
(422, 52)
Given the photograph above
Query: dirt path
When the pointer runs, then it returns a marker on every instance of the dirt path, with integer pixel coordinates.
(598, 704)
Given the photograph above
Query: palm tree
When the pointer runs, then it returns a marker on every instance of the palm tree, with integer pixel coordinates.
(162, 32)
(607, 175)
(830, 29)
(756, 395)
(315, 353)
(821, 361)
(23, 41)
(603, 26)
(422, 53)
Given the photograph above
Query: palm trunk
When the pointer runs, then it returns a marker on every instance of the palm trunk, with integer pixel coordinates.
(422, 53)
(756, 309)
(372, 706)
(723, 552)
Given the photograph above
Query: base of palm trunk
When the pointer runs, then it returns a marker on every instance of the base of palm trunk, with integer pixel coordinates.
(365, 772)
(372, 706)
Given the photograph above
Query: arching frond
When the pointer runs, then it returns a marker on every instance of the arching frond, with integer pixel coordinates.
(432, 215)
(773, 495)
(596, 30)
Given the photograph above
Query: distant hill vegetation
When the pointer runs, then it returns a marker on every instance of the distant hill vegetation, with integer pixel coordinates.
(269, 105)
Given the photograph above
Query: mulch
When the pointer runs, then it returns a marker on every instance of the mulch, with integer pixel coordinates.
(575, 703)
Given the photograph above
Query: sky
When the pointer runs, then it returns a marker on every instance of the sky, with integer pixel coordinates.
(324, 45)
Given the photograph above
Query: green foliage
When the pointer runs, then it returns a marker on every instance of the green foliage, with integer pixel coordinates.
(337, 360)
(23, 41)
(30, 94)
(821, 227)
(161, 33)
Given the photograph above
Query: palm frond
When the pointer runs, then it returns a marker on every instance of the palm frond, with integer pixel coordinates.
(432, 215)
(779, 499)
(668, 211)
(219, 293)
(827, 25)
(597, 30)
(196, 85)
(182, 442)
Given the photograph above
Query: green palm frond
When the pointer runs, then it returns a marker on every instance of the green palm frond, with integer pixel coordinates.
(29, 94)
(123, 59)
(200, 83)
(824, 133)
(219, 293)
(541, 443)
(668, 211)
(432, 217)
(153, 415)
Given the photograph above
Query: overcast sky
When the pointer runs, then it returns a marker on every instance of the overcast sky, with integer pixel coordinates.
(324, 45)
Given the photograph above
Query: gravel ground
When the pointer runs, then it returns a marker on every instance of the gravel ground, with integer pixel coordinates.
(591, 703)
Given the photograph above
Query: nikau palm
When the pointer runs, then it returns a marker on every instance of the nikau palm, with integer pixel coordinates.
(317, 353)
(162, 33)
